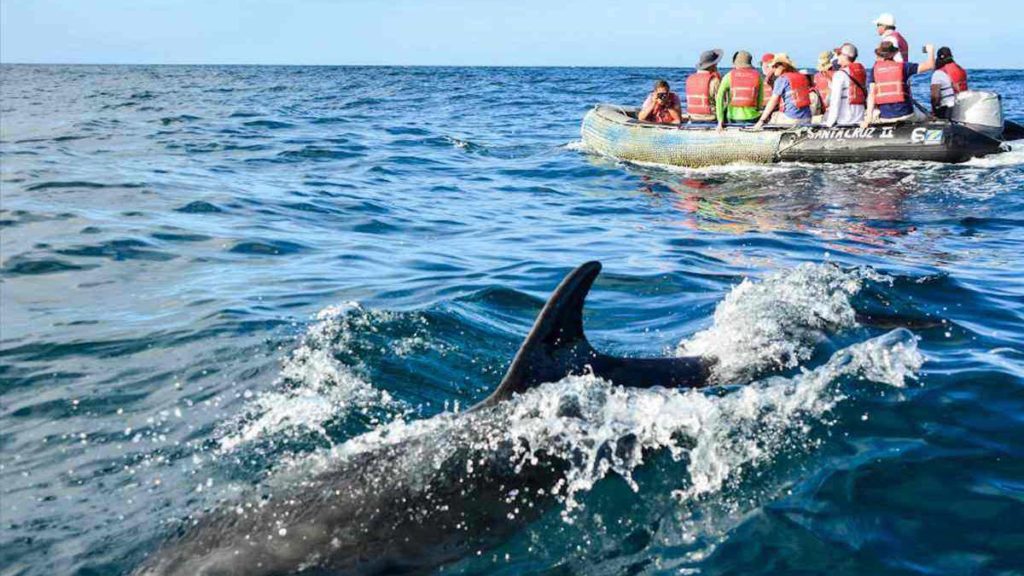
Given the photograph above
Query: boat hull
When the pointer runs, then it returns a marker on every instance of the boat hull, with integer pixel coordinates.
(612, 131)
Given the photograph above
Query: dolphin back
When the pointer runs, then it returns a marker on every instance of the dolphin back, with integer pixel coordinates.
(557, 347)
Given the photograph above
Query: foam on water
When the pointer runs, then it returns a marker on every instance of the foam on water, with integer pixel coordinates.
(1014, 156)
(720, 435)
(314, 387)
(775, 323)
(730, 168)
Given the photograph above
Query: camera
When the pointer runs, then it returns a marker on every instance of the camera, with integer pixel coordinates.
(662, 96)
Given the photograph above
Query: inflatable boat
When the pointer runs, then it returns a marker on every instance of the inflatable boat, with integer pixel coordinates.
(976, 129)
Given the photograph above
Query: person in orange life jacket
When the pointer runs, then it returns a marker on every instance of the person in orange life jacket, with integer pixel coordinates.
(661, 106)
(791, 91)
(885, 26)
(769, 77)
(820, 83)
(848, 90)
(702, 86)
(948, 80)
(889, 83)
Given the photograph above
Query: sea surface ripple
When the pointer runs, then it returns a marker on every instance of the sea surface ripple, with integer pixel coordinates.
(215, 278)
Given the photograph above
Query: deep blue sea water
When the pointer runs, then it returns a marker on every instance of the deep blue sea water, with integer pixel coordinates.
(215, 278)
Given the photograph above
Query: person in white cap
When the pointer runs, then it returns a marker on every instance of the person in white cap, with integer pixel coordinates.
(885, 25)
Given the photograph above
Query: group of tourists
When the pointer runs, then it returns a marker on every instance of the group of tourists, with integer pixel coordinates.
(841, 92)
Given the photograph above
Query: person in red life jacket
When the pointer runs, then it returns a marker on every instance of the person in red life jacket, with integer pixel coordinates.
(739, 93)
(661, 106)
(885, 25)
(948, 80)
(822, 80)
(889, 95)
(769, 78)
(791, 92)
(848, 91)
(702, 86)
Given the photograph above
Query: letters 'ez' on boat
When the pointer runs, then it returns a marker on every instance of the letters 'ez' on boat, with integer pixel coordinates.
(976, 129)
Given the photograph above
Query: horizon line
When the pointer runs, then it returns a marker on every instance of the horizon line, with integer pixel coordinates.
(240, 64)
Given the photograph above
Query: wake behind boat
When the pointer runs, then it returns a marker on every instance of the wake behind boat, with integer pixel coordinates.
(976, 129)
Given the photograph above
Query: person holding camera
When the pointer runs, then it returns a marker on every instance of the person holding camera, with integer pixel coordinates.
(662, 106)
(889, 95)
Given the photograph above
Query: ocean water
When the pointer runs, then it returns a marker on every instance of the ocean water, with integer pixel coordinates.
(218, 280)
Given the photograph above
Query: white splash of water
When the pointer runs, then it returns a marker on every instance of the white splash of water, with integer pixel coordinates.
(612, 427)
(601, 429)
(577, 146)
(314, 387)
(1012, 156)
(731, 168)
(775, 323)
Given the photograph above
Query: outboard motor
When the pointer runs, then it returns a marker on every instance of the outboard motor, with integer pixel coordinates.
(979, 111)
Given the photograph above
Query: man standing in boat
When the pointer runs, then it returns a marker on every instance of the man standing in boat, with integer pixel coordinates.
(739, 93)
(885, 25)
(661, 106)
(702, 86)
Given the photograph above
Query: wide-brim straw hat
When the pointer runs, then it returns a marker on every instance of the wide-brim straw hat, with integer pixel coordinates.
(709, 58)
(782, 58)
(825, 61)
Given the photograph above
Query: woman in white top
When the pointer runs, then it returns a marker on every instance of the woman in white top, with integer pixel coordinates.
(840, 110)
(948, 80)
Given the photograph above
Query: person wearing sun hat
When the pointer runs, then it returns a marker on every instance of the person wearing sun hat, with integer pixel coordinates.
(739, 93)
(822, 79)
(701, 87)
(791, 91)
(885, 25)
(889, 94)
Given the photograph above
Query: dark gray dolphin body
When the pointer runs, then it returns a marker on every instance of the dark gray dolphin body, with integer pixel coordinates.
(453, 488)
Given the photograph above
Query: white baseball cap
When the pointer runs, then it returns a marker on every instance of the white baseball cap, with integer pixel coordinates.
(885, 19)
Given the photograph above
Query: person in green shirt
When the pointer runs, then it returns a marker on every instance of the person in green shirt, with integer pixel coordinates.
(739, 93)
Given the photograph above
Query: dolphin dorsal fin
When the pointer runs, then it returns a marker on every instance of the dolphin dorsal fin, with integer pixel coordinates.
(558, 328)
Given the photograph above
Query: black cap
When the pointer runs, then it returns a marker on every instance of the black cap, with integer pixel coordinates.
(944, 52)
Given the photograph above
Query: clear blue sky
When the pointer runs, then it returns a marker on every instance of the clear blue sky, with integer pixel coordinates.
(487, 32)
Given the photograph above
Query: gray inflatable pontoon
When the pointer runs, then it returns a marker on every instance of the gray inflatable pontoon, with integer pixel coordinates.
(977, 129)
